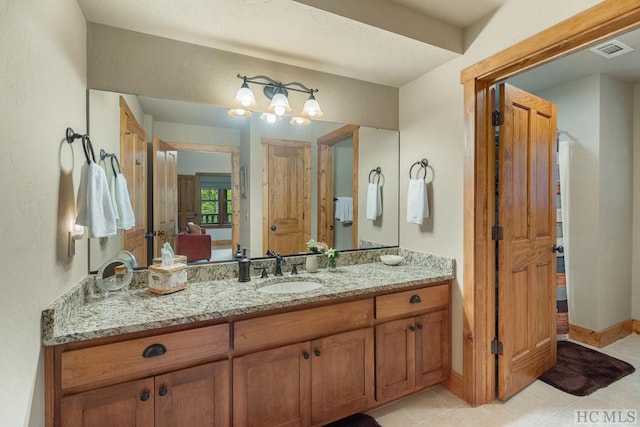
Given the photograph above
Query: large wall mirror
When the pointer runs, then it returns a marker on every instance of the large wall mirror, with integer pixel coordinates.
(242, 181)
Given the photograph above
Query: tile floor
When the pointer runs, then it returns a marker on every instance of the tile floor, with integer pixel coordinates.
(537, 405)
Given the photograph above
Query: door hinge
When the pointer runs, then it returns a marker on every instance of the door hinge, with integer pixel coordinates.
(497, 118)
(496, 347)
(496, 233)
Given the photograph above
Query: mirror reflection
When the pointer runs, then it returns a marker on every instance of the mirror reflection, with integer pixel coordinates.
(208, 183)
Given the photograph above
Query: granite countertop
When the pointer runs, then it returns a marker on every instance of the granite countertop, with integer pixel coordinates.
(138, 309)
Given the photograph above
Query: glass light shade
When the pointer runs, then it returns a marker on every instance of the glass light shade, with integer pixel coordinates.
(270, 117)
(311, 109)
(299, 121)
(244, 98)
(239, 112)
(279, 105)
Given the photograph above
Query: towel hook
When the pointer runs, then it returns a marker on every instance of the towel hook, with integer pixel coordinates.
(377, 171)
(72, 135)
(423, 164)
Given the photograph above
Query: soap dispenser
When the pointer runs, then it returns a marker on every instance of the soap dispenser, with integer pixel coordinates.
(244, 267)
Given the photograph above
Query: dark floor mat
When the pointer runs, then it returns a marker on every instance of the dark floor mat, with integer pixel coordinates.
(581, 371)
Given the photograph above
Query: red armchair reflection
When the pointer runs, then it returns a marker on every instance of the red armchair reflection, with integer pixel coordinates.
(195, 246)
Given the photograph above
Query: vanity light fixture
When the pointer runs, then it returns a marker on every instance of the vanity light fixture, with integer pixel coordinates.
(76, 232)
(278, 93)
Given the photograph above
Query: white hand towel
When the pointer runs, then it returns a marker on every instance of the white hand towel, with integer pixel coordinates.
(95, 210)
(120, 193)
(417, 202)
(344, 209)
(374, 201)
(112, 191)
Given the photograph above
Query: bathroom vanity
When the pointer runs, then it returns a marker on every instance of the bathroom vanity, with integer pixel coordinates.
(223, 353)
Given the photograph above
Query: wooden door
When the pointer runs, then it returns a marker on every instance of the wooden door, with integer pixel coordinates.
(342, 372)
(165, 195)
(133, 161)
(187, 208)
(286, 195)
(526, 262)
(433, 348)
(273, 387)
(129, 404)
(395, 359)
(194, 397)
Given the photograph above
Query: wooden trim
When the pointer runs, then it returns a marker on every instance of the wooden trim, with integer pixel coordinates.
(599, 22)
(636, 326)
(604, 337)
(455, 384)
(354, 189)
(49, 387)
(183, 146)
(133, 123)
(235, 199)
(326, 155)
(338, 135)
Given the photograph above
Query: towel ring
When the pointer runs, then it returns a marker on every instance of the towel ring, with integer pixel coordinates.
(113, 157)
(87, 147)
(423, 164)
(377, 171)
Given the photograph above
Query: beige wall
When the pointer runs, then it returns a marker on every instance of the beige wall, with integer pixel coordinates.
(42, 82)
(378, 147)
(616, 202)
(635, 272)
(104, 128)
(595, 114)
(125, 61)
(431, 123)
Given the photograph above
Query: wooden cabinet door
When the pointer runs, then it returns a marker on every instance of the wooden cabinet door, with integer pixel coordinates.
(165, 195)
(193, 397)
(395, 359)
(432, 348)
(128, 404)
(342, 372)
(272, 387)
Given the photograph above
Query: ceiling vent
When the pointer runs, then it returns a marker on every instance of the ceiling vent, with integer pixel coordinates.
(611, 49)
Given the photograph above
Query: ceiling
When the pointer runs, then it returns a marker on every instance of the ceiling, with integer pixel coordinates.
(581, 64)
(389, 42)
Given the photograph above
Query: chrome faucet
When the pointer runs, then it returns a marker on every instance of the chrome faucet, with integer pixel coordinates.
(279, 261)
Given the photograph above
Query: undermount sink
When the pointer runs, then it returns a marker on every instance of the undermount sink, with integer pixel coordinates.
(291, 287)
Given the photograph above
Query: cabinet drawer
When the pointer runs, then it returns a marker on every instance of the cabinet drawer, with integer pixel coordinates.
(286, 328)
(410, 302)
(123, 361)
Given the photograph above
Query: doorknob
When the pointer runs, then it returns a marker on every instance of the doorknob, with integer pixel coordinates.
(557, 248)
(273, 228)
(161, 233)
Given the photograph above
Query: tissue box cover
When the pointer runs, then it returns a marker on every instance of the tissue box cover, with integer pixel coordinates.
(176, 260)
(167, 279)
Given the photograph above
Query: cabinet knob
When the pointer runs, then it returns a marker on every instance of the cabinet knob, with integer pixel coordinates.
(412, 328)
(419, 325)
(415, 299)
(306, 355)
(317, 352)
(163, 391)
(144, 396)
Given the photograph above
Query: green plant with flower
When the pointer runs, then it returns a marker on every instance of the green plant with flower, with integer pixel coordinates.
(316, 247)
(332, 257)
